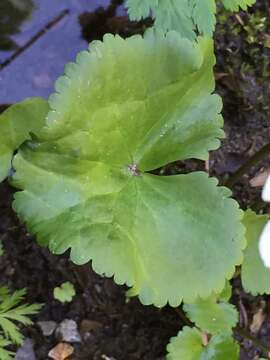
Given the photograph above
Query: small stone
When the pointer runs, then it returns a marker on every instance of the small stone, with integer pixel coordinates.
(68, 331)
(61, 351)
(47, 327)
(26, 351)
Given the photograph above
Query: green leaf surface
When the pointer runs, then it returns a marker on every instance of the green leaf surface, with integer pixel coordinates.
(65, 292)
(211, 316)
(188, 345)
(15, 125)
(128, 107)
(1, 249)
(184, 16)
(236, 5)
(226, 293)
(4, 353)
(11, 311)
(204, 15)
(255, 276)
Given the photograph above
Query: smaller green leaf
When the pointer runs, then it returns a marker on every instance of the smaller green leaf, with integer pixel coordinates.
(65, 292)
(188, 345)
(221, 348)
(255, 276)
(211, 316)
(16, 124)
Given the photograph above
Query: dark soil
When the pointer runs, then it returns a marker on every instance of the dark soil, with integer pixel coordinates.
(124, 329)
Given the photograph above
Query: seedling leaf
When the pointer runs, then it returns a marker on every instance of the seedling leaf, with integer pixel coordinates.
(65, 292)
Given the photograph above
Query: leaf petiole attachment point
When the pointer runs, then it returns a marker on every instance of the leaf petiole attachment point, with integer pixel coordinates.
(133, 169)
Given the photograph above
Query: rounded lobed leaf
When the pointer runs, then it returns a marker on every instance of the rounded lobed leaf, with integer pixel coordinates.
(188, 345)
(255, 276)
(125, 108)
(16, 124)
(65, 292)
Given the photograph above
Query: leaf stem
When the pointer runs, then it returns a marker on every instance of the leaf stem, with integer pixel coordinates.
(245, 168)
(183, 317)
(246, 335)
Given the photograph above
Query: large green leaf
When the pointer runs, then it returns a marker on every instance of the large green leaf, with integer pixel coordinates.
(188, 345)
(125, 108)
(15, 125)
(255, 276)
(211, 316)
(184, 16)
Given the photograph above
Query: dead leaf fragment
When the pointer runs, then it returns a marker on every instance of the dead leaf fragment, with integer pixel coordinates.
(61, 351)
(258, 319)
(260, 179)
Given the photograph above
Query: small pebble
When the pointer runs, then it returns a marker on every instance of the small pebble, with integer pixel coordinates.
(47, 327)
(68, 331)
(61, 351)
(26, 351)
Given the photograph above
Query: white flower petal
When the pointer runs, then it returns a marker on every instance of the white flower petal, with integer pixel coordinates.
(264, 245)
(266, 190)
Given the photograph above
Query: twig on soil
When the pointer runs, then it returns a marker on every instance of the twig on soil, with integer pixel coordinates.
(243, 315)
(183, 317)
(246, 335)
(245, 168)
(36, 37)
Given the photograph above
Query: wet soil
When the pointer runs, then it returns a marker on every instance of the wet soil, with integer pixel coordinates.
(123, 329)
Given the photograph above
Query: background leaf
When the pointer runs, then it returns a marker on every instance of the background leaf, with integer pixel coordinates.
(184, 16)
(15, 125)
(255, 276)
(236, 5)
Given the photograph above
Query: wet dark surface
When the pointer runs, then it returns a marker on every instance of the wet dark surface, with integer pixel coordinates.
(33, 72)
